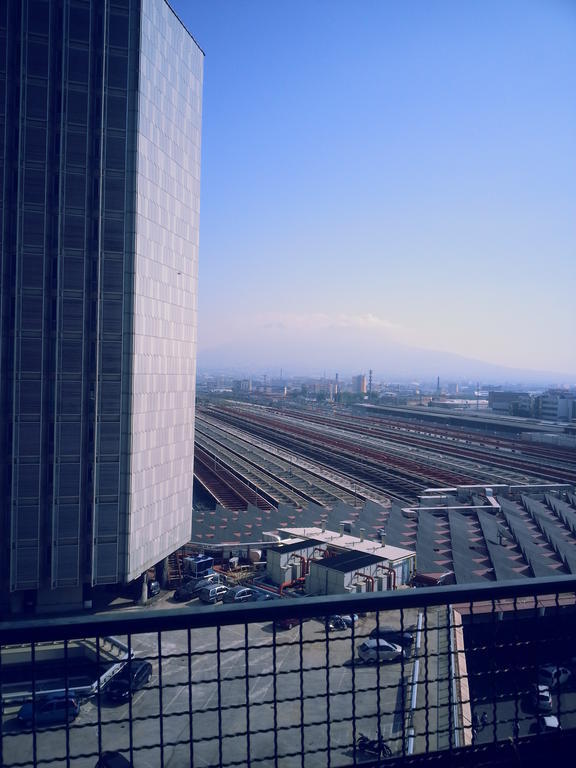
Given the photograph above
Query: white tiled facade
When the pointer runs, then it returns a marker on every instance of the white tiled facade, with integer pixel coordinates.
(165, 289)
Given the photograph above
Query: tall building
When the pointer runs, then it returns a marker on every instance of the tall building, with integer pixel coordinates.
(100, 119)
(359, 384)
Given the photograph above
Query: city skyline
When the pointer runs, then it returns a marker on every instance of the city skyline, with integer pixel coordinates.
(388, 176)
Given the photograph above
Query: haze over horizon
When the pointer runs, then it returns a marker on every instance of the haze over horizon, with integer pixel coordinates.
(385, 176)
(389, 361)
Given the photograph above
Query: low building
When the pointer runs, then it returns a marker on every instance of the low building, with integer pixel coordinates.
(555, 405)
(359, 384)
(242, 386)
(510, 403)
(334, 562)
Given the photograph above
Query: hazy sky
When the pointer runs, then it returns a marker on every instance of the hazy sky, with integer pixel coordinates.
(404, 169)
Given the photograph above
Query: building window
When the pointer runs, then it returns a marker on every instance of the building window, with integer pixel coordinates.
(31, 311)
(31, 355)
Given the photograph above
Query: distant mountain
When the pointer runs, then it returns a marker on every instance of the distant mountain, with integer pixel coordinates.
(350, 354)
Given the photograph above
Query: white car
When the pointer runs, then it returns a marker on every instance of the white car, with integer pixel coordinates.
(553, 676)
(541, 698)
(548, 723)
(374, 650)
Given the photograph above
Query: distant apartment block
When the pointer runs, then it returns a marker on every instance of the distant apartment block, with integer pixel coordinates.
(555, 405)
(359, 384)
(242, 386)
(510, 403)
(100, 114)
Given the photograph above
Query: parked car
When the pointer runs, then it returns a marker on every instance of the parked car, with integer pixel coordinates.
(393, 635)
(263, 596)
(548, 723)
(239, 595)
(553, 676)
(113, 759)
(374, 650)
(437, 579)
(49, 710)
(213, 593)
(192, 589)
(541, 698)
(288, 623)
(341, 622)
(135, 674)
(214, 577)
(153, 588)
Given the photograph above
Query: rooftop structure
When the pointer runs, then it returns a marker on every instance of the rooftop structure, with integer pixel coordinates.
(346, 541)
(333, 562)
(490, 533)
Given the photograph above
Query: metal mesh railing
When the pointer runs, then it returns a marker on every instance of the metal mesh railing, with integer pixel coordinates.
(295, 682)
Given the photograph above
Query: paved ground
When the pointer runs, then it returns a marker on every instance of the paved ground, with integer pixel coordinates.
(501, 681)
(233, 694)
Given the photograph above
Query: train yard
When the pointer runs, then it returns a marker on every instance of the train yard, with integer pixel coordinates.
(268, 456)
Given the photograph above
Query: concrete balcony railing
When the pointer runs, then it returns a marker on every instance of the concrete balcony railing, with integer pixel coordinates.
(273, 684)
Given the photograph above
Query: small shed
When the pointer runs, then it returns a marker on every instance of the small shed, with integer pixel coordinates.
(289, 560)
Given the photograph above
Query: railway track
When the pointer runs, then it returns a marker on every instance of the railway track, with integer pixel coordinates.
(304, 479)
(262, 446)
(401, 482)
(224, 485)
(556, 465)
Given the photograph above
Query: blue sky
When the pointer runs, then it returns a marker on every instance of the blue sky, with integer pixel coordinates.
(401, 169)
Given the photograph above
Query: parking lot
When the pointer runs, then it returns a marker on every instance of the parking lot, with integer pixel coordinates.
(219, 695)
(502, 682)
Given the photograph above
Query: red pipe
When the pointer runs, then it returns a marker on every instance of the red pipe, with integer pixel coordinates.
(293, 583)
(389, 570)
(303, 561)
(368, 579)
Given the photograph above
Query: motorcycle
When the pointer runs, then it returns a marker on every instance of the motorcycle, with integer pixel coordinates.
(377, 747)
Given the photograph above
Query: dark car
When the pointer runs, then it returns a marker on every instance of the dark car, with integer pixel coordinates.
(263, 596)
(153, 588)
(133, 676)
(192, 589)
(49, 710)
(345, 621)
(291, 621)
(239, 595)
(213, 593)
(113, 760)
(393, 635)
(288, 623)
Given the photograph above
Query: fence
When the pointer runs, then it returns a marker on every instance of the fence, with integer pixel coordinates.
(464, 672)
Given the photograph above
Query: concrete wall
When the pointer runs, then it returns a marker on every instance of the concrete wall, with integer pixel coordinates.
(323, 580)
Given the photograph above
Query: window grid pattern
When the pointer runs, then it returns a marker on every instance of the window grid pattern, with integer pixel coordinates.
(98, 287)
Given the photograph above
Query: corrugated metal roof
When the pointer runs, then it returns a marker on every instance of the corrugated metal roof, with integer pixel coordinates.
(524, 531)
